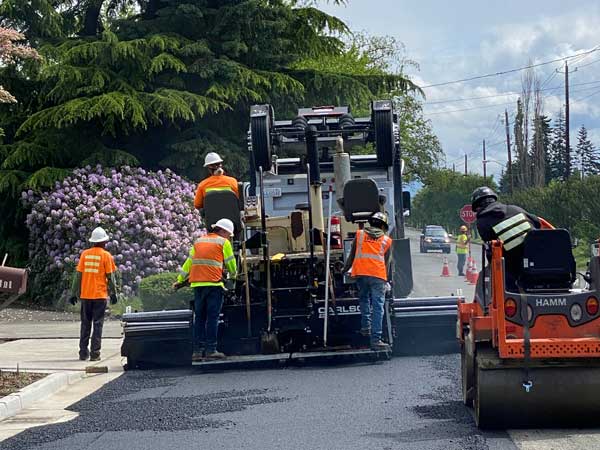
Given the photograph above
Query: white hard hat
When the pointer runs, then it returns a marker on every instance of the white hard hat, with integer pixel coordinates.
(212, 158)
(99, 235)
(224, 224)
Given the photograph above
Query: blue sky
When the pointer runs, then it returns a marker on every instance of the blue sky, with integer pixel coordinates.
(461, 39)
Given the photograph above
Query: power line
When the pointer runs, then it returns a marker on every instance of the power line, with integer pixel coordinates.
(588, 96)
(588, 64)
(504, 72)
(497, 104)
(501, 95)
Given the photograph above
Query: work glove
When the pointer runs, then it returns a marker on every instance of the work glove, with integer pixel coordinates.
(388, 287)
(113, 299)
(180, 284)
(73, 300)
(230, 284)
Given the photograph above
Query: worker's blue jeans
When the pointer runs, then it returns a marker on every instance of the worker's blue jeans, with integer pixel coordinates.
(207, 308)
(460, 265)
(371, 295)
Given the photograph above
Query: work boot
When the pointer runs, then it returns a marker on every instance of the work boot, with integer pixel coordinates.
(95, 357)
(365, 332)
(198, 356)
(380, 346)
(83, 356)
(215, 355)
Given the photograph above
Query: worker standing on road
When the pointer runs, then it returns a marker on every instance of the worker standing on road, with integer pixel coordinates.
(94, 279)
(216, 181)
(369, 262)
(508, 223)
(462, 249)
(204, 266)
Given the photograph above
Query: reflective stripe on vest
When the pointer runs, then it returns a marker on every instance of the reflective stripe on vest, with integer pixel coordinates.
(207, 262)
(369, 259)
(512, 231)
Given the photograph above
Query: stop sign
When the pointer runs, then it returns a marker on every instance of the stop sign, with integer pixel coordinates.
(467, 215)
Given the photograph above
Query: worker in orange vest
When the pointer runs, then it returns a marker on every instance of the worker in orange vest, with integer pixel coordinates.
(369, 262)
(204, 268)
(216, 181)
(94, 279)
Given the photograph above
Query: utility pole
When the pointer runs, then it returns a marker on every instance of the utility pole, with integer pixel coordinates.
(484, 161)
(453, 167)
(567, 139)
(465, 164)
(510, 171)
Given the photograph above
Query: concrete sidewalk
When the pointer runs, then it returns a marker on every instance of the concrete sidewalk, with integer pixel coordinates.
(52, 347)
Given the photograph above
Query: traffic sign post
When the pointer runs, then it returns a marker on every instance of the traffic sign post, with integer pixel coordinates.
(468, 216)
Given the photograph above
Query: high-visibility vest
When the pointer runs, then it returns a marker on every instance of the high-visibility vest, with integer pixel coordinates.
(462, 247)
(512, 231)
(207, 262)
(214, 183)
(369, 259)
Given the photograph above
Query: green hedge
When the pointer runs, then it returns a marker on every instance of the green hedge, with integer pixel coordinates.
(157, 294)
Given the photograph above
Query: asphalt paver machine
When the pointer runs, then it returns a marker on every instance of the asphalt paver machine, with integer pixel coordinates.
(530, 353)
(299, 215)
(295, 221)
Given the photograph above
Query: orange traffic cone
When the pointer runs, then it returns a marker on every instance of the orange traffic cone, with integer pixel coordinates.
(469, 269)
(474, 273)
(445, 268)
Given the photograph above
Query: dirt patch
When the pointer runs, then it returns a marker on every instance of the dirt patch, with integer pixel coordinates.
(11, 382)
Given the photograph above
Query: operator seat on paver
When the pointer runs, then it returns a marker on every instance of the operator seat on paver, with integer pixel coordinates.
(361, 199)
(222, 205)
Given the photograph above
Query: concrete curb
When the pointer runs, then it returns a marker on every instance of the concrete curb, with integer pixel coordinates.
(26, 397)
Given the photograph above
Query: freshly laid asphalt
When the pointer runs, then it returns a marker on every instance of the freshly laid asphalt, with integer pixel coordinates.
(405, 403)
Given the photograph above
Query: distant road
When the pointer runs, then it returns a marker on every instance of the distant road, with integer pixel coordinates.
(427, 270)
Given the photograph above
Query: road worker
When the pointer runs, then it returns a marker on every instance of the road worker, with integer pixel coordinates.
(508, 223)
(216, 181)
(462, 249)
(204, 268)
(369, 263)
(93, 281)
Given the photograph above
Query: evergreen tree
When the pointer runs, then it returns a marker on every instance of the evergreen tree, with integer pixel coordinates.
(540, 149)
(557, 154)
(588, 161)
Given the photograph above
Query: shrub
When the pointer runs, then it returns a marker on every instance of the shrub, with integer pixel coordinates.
(148, 215)
(156, 293)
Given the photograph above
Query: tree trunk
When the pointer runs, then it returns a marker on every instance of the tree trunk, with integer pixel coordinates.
(91, 20)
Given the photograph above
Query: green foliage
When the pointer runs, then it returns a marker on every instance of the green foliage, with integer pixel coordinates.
(156, 293)
(161, 83)
(445, 192)
(420, 147)
(573, 204)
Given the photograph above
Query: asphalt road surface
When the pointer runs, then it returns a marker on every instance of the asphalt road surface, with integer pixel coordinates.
(406, 403)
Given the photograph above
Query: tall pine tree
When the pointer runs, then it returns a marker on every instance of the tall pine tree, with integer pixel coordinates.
(588, 159)
(557, 154)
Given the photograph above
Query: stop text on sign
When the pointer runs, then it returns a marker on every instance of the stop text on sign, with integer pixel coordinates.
(467, 215)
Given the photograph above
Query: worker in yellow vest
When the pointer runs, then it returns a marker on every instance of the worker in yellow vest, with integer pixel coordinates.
(204, 267)
(462, 249)
(369, 262)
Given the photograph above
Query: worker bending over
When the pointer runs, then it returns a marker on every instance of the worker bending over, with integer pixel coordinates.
(369, 262)
(508, 223)
(216, 181)
(204, 266)
(94, 279)
(462, 249)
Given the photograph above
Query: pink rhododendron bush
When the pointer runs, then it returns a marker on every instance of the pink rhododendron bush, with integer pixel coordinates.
(149, 217)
